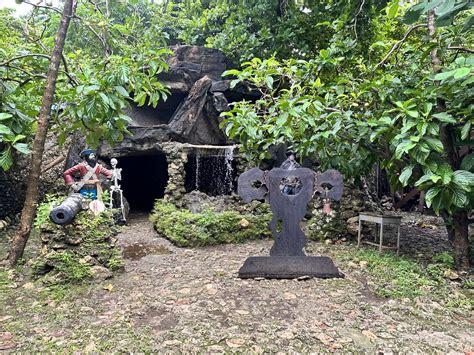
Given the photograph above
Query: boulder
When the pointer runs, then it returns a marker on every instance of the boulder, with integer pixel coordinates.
(143, 140)
(198, 62)
(183, 123)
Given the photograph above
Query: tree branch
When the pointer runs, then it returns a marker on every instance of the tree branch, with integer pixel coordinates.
(44, 7)
(99, 37)
(53, 163)
(398, 44)
(462, 49)
(5, 63)
(355, 17)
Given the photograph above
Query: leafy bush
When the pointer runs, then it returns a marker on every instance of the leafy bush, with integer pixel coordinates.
(186, 229)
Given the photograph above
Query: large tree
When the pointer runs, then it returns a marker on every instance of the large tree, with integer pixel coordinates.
(111, 58)
(405, 107)
(31, 199)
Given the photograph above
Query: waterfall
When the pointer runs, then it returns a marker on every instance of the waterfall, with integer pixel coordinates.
(228, 158)
(213, 169)
(197, 170)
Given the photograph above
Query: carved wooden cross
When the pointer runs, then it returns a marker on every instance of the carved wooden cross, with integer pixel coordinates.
(288, 211)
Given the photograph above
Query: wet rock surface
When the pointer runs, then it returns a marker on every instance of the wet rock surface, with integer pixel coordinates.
(191, 300)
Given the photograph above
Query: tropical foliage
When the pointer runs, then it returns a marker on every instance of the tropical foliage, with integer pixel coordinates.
(346, 83)
(109, 60)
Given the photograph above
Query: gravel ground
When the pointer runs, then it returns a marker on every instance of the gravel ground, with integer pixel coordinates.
(190, 300)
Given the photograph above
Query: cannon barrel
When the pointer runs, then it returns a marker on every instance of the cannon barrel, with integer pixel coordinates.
(67, 210)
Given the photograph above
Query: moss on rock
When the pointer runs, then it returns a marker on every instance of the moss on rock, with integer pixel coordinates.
(71, 252)
(186, 229)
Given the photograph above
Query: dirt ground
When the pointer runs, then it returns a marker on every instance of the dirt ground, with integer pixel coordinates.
(172, 299)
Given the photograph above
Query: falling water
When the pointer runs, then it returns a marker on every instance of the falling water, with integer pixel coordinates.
(228, 158)
(214, 168)
(197, 169)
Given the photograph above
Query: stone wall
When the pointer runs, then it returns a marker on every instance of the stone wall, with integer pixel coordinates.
(13, 181)
(343, 220)
(177, 158)
(84, 249)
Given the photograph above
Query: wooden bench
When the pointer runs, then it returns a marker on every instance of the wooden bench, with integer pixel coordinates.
(381, 220)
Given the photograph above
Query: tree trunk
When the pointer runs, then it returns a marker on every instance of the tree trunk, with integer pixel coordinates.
(31, 198)
(457, 224)
(421, 202)
(458, 236)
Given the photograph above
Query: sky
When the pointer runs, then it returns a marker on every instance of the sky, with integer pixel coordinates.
(20, 9)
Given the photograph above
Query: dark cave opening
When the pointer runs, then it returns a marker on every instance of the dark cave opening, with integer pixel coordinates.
(212, 174)
(144, 179)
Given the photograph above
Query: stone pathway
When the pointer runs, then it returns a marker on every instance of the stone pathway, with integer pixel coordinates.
(171, 299)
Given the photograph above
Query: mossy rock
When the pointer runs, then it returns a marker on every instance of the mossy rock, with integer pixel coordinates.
(70, 252)
(187, 229)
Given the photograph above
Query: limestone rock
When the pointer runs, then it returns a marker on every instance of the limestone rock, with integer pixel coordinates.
(100, 273)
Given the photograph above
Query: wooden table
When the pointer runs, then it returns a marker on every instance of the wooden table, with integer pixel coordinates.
(382, 221)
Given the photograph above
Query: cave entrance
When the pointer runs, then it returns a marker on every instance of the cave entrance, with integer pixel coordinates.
(144, 179)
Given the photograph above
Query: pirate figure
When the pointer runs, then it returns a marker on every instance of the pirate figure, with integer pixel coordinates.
(88, 172)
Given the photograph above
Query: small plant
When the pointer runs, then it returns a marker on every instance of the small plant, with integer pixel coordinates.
(42, 214)
(445, 259)
(397, 277)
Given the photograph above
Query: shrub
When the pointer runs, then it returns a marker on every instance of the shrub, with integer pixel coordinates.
(186, 229)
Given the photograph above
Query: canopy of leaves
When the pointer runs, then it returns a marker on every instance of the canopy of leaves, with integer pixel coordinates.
(348, 110)
(111, 57)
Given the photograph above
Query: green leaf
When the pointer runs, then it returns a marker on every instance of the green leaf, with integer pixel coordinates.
(423, 179)
(434, 143)
(458, 197)
(463, 177)
(121, 90)
(406, 174)
(6, 159)
(461, 72)
(413, 13)
(466, 130)
(18, 137)
(393, 10)
(444, 117)
(444, 75)
(468, 24)
(5, 116)
(231, 72)
(22, 148)
(234, 82)
(412, 113)
(403, 147)
(431, 194)
(446, 176)
(468, 162)
(435, 178)
(5, 130)
(90, 88)
(269, 82)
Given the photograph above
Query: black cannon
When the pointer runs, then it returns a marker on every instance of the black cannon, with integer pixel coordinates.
(67, 210)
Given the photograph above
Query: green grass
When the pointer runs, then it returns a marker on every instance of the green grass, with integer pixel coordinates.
(395, 276)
